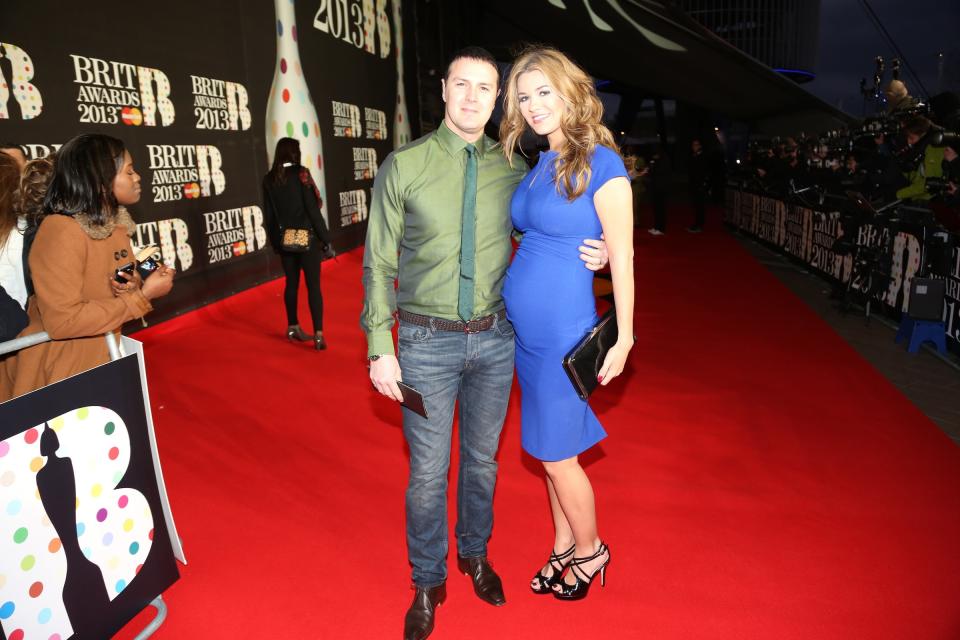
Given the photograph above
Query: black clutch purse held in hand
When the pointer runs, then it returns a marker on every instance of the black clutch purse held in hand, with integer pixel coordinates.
(584, 361)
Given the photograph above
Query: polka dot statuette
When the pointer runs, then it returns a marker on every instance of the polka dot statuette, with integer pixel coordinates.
(25, 94)
(290, 110)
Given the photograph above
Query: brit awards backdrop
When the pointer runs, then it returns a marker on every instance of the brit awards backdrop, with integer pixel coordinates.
(200, 93)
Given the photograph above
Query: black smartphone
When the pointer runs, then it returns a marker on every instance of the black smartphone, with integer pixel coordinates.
(127, 269)
(412, 399)
(148, 266)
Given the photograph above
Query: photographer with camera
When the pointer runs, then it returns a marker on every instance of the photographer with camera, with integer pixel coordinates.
(853, 177)
(919, 160)
(898, 98)
(945, 190)
(793, 169)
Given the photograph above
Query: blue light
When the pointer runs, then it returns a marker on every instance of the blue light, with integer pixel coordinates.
(800, 72)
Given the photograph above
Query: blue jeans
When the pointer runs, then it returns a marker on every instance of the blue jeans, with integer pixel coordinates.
(477, 370)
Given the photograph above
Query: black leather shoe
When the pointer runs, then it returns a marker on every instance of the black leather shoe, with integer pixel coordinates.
(418, 623)
(486, 582)
(294, 332)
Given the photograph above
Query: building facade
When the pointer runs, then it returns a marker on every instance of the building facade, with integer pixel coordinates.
(782, 34)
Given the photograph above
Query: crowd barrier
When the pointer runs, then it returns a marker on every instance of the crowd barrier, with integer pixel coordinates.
(808, 235)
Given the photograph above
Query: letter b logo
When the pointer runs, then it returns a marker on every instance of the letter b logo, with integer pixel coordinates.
(26, 94)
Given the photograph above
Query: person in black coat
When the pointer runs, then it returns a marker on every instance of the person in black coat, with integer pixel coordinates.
(292, 201)
(13, 319)
(658, 185)
(698, 172)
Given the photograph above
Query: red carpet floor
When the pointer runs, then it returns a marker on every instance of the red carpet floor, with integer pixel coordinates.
(760, 480)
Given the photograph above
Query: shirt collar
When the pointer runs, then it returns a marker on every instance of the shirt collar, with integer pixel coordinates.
(455, 145)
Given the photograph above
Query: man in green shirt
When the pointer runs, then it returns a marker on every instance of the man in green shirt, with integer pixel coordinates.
(440, 225)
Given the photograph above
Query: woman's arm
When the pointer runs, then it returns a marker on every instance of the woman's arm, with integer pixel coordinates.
(614, 203)
(270, 219)
(59, 265)
(313, 203)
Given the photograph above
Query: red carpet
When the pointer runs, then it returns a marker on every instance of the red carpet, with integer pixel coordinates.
(760, 480)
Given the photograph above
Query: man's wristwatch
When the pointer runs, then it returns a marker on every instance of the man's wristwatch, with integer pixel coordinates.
(374, 357)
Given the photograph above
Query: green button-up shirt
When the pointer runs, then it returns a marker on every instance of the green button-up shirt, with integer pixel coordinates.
(413, 232)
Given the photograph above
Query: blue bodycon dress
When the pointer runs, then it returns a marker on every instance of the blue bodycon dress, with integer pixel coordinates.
(549, 297)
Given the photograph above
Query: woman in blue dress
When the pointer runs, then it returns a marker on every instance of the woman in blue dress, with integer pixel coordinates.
(578, 189)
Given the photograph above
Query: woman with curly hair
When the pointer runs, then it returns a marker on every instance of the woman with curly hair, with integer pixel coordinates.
(13, 294)
(12, 226)
(33, 191)
(578, 188)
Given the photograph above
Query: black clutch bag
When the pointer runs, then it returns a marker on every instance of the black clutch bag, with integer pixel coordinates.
(583, 362)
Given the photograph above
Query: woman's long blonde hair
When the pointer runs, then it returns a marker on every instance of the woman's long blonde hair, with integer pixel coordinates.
(581, 124)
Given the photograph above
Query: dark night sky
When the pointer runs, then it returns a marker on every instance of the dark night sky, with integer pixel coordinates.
(849, 42)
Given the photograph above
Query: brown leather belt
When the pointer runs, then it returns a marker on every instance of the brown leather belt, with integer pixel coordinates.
(473, 326)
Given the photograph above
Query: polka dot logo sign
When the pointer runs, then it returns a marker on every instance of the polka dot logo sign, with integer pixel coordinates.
(110, 525)
(352, 22)
(346, 120)
(18, 86)
(174, 169)
(111, 92)
(220, 105)
(906, 265)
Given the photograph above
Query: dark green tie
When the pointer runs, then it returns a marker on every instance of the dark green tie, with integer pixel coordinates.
(468, 235)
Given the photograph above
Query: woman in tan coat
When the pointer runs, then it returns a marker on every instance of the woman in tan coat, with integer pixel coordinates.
(81, 242)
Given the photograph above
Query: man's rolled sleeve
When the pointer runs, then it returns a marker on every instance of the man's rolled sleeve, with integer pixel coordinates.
(381, 259)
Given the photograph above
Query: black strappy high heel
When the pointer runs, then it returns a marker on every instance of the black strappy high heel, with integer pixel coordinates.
(579, 589)
(556, 563)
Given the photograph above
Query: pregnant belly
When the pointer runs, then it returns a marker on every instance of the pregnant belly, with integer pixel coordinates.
(549, 295)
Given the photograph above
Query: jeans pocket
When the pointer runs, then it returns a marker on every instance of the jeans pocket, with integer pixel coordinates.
(505, 328)
(409, 332)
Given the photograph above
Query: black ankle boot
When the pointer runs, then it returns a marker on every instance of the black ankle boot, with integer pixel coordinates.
(418, 623)
(294, 332)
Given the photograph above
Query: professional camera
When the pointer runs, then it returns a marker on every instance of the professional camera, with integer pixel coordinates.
(944, 138)
(877, 126)
(936, 186)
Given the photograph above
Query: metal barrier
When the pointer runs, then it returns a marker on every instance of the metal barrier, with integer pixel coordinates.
(22, 343)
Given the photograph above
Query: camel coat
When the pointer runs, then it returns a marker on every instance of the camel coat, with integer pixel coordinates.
(72, 262)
